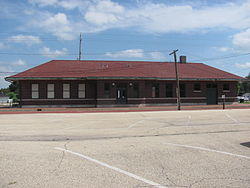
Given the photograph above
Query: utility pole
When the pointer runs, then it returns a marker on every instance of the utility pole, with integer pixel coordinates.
(80, 47)
(177, 80)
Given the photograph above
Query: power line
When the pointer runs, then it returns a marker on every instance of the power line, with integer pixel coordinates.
(222, 57)
(10, 53)
(94, 35)
(104, 53)
(114, 52)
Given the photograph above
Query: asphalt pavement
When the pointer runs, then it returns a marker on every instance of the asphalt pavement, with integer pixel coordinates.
(208, 148)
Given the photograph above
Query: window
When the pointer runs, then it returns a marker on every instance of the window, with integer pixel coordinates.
(182, 90)
(169, 90)
(107, 90)
(34, 91)
(135, 90)
(66, 91)
(197, 87)
(155, 90)
(50, 91)
(225, 87)
(81, 90)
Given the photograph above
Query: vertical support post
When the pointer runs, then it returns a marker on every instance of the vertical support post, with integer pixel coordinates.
(80, 47)
(177, 80)
(224, 101)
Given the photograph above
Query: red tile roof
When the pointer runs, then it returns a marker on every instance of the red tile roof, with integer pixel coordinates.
(92, 69)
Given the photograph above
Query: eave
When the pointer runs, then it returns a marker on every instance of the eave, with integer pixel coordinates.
(119, 78)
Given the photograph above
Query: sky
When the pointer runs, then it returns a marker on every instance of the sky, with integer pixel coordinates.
(214, 32)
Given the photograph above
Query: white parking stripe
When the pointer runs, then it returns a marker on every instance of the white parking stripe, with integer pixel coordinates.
(134, 124)
(230, 117)
(112, 167)
(207, 149)
(189, 120)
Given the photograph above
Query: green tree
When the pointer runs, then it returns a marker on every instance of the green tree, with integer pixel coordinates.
(13, 91)
(244, 87)
(4, 91)
(13, 87)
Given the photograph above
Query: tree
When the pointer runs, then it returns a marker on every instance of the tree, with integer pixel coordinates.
(4, 91)
(244, 87)
(13, 87)
(13, 91)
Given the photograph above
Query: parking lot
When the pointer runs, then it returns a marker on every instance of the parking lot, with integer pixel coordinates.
(208, 148)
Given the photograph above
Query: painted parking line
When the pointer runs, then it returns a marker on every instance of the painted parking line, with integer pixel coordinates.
(233, 119)
(112, 167)
(207, 149)
(189, 120)
(134, 124)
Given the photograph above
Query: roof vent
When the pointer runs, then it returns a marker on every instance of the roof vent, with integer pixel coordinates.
(105, 66)
(183, 59)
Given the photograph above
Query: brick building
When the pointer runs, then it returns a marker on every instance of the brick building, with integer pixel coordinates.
(122, 83)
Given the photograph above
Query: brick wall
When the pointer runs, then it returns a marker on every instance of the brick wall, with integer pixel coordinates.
(95, 92)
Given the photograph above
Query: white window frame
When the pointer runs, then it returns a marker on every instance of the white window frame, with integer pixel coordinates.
(50, 91)
(66, 91)
(35, 91)
(81, 91)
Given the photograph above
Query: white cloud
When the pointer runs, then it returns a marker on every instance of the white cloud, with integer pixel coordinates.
(137, 53)
(223, 49)
(58, 25)
(157, 56)
(100, 18)
(104, 12)
(43, 2)
(5, 71)
(53, 53)
(242, 40)
(72, 4)
(26, 39)
(19, 62)
(243, 65)
(149, 16)
(158, 17)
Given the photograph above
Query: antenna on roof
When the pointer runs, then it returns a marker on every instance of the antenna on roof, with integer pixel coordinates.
(80, 47)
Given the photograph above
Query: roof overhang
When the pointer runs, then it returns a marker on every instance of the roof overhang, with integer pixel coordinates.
(118, 78)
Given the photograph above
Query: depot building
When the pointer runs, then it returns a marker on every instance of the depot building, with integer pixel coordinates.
(90, 83)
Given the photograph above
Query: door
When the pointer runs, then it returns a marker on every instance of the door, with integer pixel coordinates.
(212, 96)
(121, 95)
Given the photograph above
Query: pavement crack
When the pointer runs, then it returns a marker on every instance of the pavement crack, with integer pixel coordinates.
(38, 138)
(226, 178)
(63, 155)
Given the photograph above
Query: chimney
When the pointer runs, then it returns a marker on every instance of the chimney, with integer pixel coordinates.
(183, 59)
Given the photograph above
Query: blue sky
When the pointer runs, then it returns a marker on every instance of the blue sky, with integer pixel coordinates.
(213, 32)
